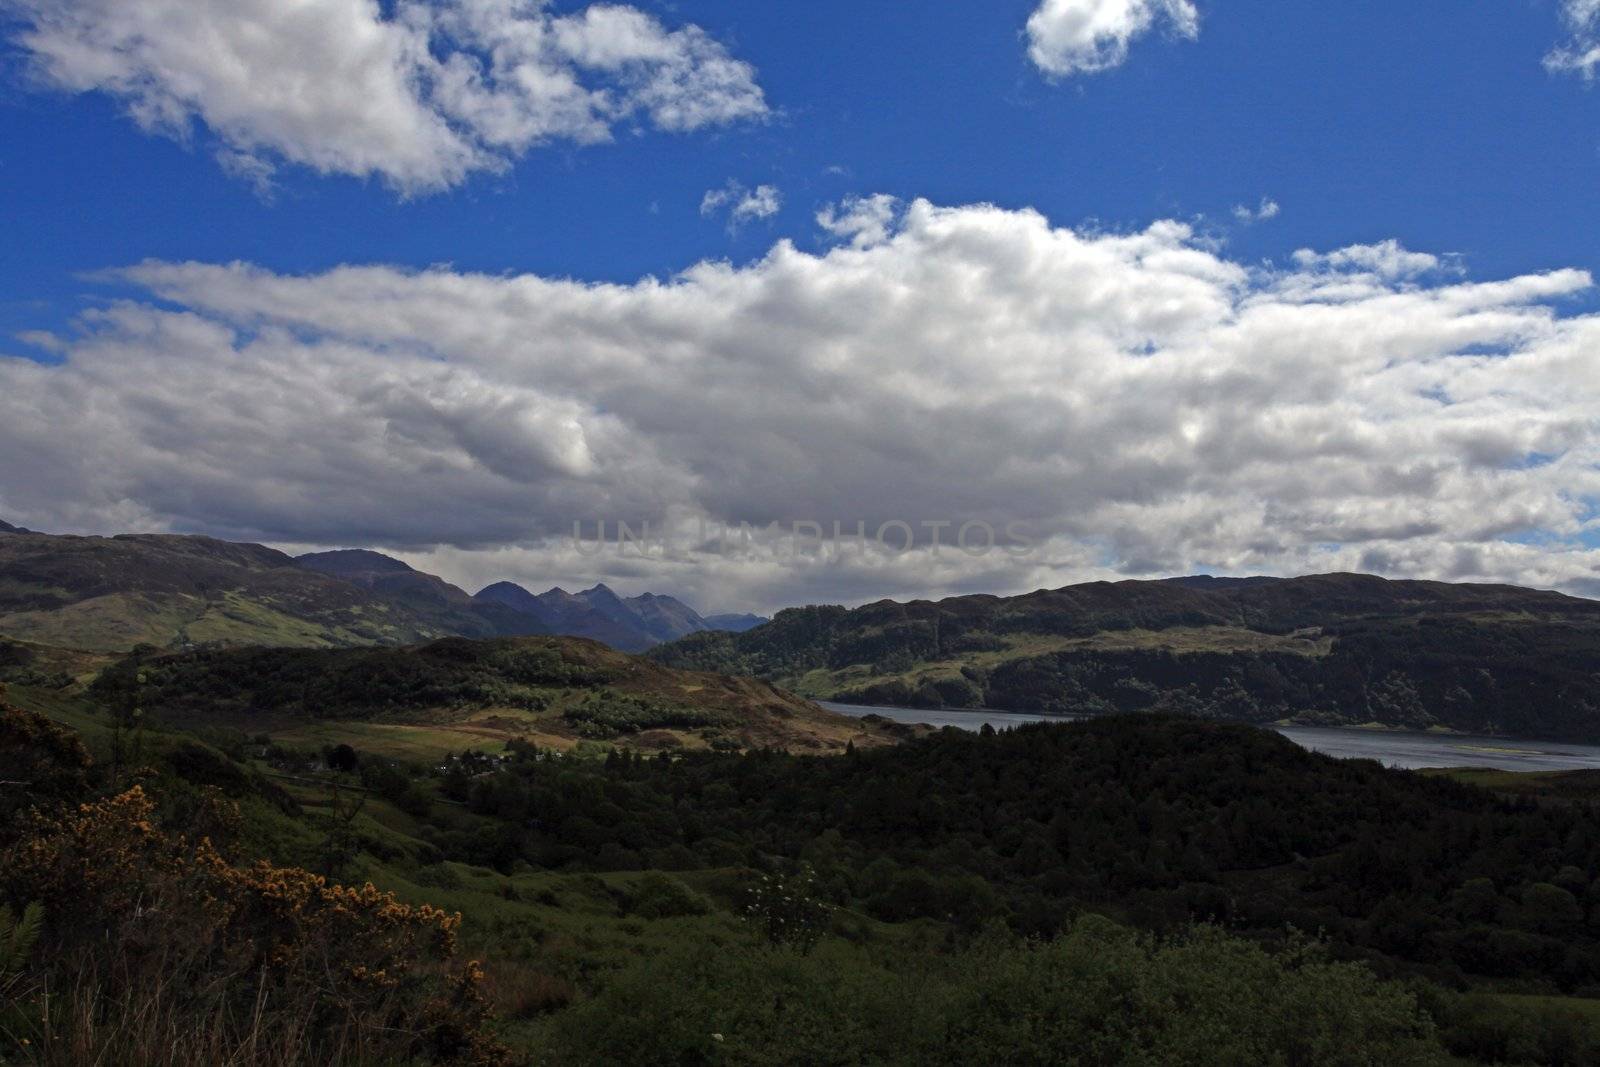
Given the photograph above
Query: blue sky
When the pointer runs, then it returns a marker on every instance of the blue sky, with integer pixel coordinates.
(1434, 125)
(1424, 121)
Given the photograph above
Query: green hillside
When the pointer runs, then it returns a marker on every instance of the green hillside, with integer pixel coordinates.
(114, 593)
(447, 695)
(1325, 650)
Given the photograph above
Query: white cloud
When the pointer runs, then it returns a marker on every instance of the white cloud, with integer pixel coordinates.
(1142, 403)
(864, 221)
(1581, 55)
(742, 204)
(1068, 37)
(1268, 209)
(422, 98)
(1388, 260)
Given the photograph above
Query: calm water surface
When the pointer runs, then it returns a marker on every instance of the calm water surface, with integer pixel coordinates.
(1390, 748)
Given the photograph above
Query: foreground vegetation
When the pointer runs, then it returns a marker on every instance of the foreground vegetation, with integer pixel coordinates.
(229, 888)
(150, 946)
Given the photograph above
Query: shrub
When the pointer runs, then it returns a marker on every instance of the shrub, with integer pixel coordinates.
(157, 950)
(438, 876)
(520, 992)
(661, 896)
(40, 762)
(788, 909)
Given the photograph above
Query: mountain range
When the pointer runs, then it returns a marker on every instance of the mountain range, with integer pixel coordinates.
(1336, 649)
(628, 625)
(1339, 649)
(110, 594)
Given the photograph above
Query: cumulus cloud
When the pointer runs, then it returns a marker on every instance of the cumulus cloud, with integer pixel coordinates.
(1267, 210)
(863, 221)
(1580, 55)
(1388, 260)
(742, 204)
(422, 97)
(1140, 403)
(1067, 37)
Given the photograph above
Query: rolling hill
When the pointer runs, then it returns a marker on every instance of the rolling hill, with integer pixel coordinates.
(426, 594)
(110, 594)
(457, 693)
(1339, 649)
(113, 593)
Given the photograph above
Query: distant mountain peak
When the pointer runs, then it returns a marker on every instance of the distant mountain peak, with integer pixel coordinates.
(630, 625)
(6, 527)
(502, 587)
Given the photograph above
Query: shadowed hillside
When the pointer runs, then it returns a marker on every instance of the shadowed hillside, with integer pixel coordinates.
(1340, 649)
(549, 690)
(426, 594)
(112, 593)
(628, 625)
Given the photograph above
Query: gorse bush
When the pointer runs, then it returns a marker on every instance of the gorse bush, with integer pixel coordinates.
(156, 949)
(357, 973)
